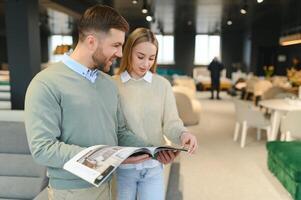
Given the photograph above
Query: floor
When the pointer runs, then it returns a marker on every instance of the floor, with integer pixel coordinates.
(221, 170)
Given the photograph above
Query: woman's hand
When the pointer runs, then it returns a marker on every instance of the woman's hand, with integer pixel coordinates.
(189, 141)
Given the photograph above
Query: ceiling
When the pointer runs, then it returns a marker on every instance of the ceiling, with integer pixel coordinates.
(206, 16)
(202, 16)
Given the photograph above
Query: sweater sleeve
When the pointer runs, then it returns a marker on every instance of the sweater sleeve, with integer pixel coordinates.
(172, 125)
(43, 126)
(125, 136)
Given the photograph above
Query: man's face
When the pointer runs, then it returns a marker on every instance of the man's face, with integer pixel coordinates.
(109, 49)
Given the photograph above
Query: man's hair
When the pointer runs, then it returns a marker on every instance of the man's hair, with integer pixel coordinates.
(138, 36)
(100, 18)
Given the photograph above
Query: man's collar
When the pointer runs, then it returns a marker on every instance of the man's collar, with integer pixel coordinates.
(125, 77)
(89, 74)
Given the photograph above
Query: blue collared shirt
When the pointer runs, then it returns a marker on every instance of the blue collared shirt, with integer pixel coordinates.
(84, 71)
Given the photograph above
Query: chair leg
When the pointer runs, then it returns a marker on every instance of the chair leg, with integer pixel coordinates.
(258, 134)
(243, 134)
(283, 136)
(268, 129)
(288, 137)
(236, 131)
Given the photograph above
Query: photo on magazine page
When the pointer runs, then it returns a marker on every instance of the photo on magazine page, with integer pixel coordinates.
(95, 164)
(95, 159)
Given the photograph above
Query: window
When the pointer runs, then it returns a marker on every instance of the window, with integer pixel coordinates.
(206, 48)
(166, 49)
(54, 42)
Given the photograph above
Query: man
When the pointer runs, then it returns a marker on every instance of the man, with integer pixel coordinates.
(72, 105)
(215, 68)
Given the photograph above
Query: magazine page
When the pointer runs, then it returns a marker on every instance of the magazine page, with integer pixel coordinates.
(95, 164)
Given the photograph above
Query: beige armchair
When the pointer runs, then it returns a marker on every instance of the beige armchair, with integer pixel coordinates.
(185, 82)
(185, 109)
(250, 86)
(188, 106)
(261, 86)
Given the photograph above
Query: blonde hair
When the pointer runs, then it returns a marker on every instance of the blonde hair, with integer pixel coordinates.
(138, 36)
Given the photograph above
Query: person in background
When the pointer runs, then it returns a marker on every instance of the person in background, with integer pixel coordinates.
(71, 105)
(150, 111)
(215, 68)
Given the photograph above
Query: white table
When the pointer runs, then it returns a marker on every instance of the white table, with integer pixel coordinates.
(279, 107)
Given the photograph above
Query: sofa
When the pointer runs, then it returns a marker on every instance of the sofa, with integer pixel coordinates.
(284, 161)
(20, 176)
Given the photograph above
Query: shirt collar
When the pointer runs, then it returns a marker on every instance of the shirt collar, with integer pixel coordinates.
(125, 77)
(84, 71)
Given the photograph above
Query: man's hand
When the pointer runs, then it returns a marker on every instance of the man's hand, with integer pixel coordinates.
(189, 141)
(166, 157)
(136, 159)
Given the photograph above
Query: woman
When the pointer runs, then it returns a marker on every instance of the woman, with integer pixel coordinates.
(150, 111)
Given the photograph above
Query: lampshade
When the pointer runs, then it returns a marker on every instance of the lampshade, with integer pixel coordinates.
(290, 39)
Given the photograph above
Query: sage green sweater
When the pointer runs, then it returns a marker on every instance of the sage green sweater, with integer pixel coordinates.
(65, 112)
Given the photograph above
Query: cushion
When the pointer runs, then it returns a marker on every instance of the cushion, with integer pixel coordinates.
(20, 165)
(13, 138)
(20, 187)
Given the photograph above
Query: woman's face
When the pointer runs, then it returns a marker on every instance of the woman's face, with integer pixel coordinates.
(143, 58)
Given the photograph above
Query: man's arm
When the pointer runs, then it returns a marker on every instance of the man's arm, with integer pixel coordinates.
(43, 126)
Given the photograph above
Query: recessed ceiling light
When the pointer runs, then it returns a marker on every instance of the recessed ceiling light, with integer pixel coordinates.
(243, 11)
(149, 18)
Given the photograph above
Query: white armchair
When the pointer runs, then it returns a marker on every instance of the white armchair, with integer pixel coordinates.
(248, 116)
(290, 126)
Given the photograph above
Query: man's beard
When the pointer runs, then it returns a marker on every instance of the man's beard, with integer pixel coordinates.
(99, 60)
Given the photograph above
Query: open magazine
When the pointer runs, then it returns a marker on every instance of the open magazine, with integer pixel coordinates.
(95, 164)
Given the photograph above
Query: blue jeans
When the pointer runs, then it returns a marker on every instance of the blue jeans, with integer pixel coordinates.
(145, 184)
